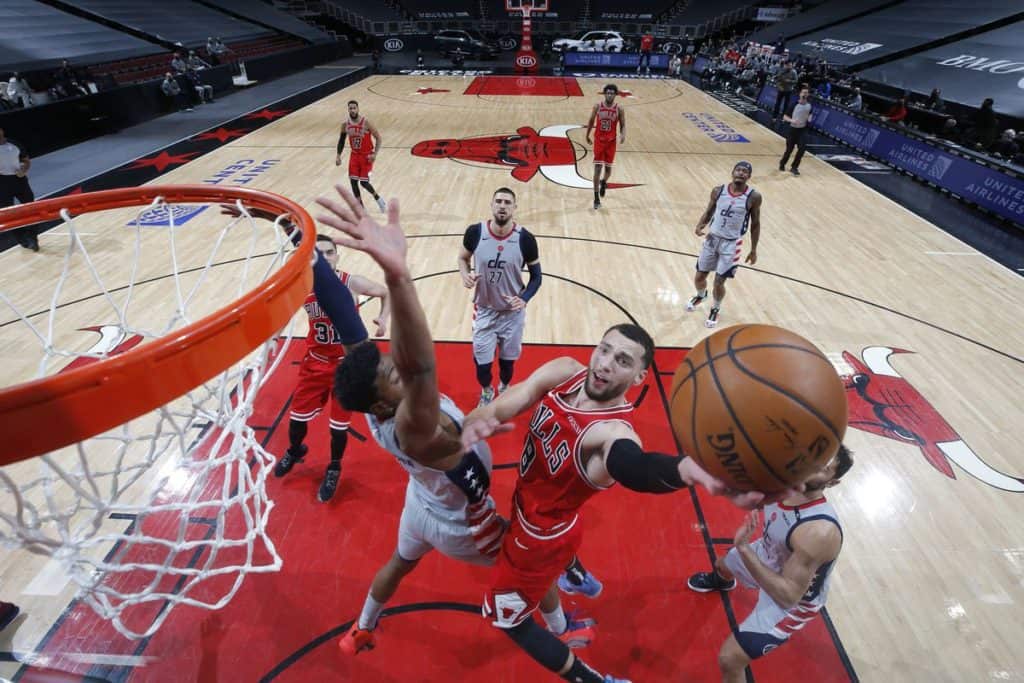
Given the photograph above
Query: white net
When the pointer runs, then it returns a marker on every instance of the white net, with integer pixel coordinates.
(169, 508)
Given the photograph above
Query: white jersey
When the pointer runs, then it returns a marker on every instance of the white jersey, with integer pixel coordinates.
(429, 487)
(773, 547)
(732, 213)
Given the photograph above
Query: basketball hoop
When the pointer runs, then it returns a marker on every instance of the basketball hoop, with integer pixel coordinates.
(151, 426)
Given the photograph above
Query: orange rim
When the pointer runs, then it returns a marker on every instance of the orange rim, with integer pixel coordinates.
(46, 414)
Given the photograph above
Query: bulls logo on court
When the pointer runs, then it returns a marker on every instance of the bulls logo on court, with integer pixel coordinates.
(113, 341)
(883, 403)
(550, 152)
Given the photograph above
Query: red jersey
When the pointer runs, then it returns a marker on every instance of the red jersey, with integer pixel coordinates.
(359, 136)
(553, 482)
(646, 42)
(323, 340)
(607, 122)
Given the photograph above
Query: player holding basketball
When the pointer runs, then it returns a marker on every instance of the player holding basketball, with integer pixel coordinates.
(608, 115)
(790, 566)
(491, 262)
(732, 209)
(580, 442)
(364, 152)
(316, 375)
(448, 505)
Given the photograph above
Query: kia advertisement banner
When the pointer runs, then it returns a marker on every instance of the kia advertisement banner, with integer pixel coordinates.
(614, 59)
(999, 192)
(986, 65)
(900, 27)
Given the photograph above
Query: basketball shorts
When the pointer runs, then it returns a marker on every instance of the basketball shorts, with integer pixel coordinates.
(360, 166)
(422, 530)
(497, 330)
(313, 391)
(720, 255)
(604, 151)
(528, 565)
(769, 625)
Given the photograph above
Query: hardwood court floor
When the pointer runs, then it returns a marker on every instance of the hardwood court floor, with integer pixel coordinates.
(931, 579)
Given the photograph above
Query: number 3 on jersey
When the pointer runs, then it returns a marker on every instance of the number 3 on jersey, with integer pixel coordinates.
(324, 333)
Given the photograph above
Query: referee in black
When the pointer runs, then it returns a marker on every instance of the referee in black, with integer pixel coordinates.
(795, 136)
(14, 165)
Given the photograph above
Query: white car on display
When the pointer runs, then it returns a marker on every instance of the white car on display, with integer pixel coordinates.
(592, 41)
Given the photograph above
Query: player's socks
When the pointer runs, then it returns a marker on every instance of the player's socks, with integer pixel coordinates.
(370, 614)
(604, 187)
(555, 620)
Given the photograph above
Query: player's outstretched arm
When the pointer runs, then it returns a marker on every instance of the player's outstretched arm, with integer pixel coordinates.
(518, 398)
(621, 458)
(412, 349)
(362, 286)
(814, 544)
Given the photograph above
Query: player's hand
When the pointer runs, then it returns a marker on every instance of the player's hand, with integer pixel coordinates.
(588, 139)
(515, 303)
(476, 429)
(469, 280)
(751, 258)
(622, 139)
(695, 475)
(384, 243)
(337, 160)
(381, 325)
(372, 156)
(751, 523)
(699, 232)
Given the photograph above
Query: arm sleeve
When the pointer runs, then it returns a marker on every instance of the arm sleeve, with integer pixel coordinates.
(336, 300)
(643, 471)
(534, 284)
(471, 238)
(341, 141)
(528, 245)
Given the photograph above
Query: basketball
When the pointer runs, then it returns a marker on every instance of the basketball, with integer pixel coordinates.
(759, 407)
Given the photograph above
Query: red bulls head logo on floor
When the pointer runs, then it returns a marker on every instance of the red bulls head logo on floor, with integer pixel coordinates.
(881, 402)
(113, 341)
(551, 152)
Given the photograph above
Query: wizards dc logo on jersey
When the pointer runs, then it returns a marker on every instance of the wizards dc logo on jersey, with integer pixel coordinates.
(714, 128)
(550, 152)
(883, 403)
(238, 174)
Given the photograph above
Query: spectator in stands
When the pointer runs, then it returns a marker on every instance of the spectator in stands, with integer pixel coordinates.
(195, 62)
(14, 165)
(646, 45)
(795, 136)
(784, 81)
(856, 102)
(780, 47)
(375, 56)
(172, 91)
(950, 131)
(216, 50)
(458, 58)
(178, 63)
(18, 90)
(1006, 146)
(419, 59)
(204, 91)
(983, 134)
(897, 112)
(825, 90)
(675, 66)
(934, 101)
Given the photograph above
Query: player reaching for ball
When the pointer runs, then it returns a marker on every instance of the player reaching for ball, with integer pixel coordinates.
(732, 209)
(790, 566)
(580, 442)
